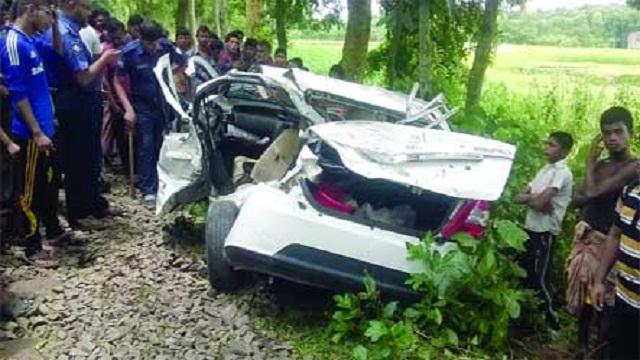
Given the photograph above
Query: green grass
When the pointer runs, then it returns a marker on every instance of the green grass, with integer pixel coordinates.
(318, 56)
(517, 66)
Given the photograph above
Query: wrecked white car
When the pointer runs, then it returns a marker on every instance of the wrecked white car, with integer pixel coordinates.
(299, 193)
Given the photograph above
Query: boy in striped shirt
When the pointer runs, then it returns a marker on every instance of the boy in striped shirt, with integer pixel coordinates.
(623, 249)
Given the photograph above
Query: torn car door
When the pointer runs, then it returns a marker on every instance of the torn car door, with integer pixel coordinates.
(180, 169)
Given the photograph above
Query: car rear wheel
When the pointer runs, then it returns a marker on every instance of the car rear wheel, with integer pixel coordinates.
(220, 219)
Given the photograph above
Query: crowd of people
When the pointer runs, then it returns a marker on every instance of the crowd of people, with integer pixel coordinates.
(78, 87)
(607, 234)
(82, 94)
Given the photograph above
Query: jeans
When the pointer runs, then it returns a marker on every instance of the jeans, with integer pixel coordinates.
(149, 135)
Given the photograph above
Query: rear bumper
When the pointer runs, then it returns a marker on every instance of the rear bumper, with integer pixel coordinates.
(320, 268)
(271, 221)
(282, 235)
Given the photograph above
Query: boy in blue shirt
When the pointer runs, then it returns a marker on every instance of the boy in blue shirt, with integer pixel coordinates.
(32, 125)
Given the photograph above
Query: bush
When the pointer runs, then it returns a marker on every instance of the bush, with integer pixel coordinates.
(469, 299)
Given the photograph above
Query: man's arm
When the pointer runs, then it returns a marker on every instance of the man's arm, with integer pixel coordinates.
(610, 184)
(542, 202)
(606, 262)
(86, 76)
(110, 92)
(524, 196)
(56, 38)
(15, 74)
(43, 142)
(12, 148)
(579, 197)
(129, 113)
(593, 189)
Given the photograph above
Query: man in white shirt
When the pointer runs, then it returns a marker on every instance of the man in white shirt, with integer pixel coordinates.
(547, 198)
(92, 33)
(184, 42)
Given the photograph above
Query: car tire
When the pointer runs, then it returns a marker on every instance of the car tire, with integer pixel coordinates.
(220, 219)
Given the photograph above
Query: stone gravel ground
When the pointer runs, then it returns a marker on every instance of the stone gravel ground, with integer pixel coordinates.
(128, 293)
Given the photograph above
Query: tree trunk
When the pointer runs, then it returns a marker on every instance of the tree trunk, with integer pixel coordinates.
(425, 49)
(254, 17)
(356, 42)
(224, 18)
(394, 52)
(182, 14)
(488, 30)
(281, 22)
(192, 21)
(217, 4)
(186, 14)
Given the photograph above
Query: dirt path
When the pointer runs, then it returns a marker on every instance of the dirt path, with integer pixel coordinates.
(127, 295)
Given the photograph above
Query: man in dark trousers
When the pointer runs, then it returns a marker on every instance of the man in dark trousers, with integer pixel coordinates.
(604, 180)
(32, 124)
(547, 197)
(78, 104)
(144, 108)
(622, 250)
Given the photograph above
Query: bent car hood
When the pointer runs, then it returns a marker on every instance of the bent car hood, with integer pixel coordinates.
(449, 163)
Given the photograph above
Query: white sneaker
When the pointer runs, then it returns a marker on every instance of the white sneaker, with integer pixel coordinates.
(149, 201)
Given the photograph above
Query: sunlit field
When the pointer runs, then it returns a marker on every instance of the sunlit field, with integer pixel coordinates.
(517, 66)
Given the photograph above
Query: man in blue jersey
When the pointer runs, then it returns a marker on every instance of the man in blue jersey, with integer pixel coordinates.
(78, 103)
(32, 124)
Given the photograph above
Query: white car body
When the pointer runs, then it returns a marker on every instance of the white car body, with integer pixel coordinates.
(281, 230)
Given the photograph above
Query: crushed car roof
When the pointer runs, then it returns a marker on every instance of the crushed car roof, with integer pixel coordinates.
(366, 94)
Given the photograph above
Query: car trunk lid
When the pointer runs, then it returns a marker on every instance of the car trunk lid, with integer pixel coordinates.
(449, 163)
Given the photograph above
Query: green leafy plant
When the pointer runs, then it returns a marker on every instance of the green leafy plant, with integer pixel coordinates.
(468, 293)
(386, 331)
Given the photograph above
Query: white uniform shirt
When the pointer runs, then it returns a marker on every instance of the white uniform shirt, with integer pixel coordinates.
(188, 53)
(557, 176)
(91, 38)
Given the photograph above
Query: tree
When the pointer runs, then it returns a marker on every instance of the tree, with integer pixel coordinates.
(298, 13)
(186, 15)
(254, 9)
(634, 4)
(281, 14)
(425, 43)
(220, 15)
(486, 37)
(356, 42)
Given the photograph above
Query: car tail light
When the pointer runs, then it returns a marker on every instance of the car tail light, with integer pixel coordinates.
(471, 217)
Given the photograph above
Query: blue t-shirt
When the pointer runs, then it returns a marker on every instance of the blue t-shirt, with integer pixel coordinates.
(77, 57)
(25, 78)
(137, 64)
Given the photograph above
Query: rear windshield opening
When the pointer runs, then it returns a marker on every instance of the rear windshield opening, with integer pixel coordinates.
(379, 203)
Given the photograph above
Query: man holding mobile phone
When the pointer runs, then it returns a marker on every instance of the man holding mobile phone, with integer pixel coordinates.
(604, 180)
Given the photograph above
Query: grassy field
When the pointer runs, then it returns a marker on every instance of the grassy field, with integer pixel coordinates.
(318, 56)
(517, 66)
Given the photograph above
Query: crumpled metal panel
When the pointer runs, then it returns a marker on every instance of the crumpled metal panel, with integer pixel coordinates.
(449, 163)
(365, 94)
(180, 172)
